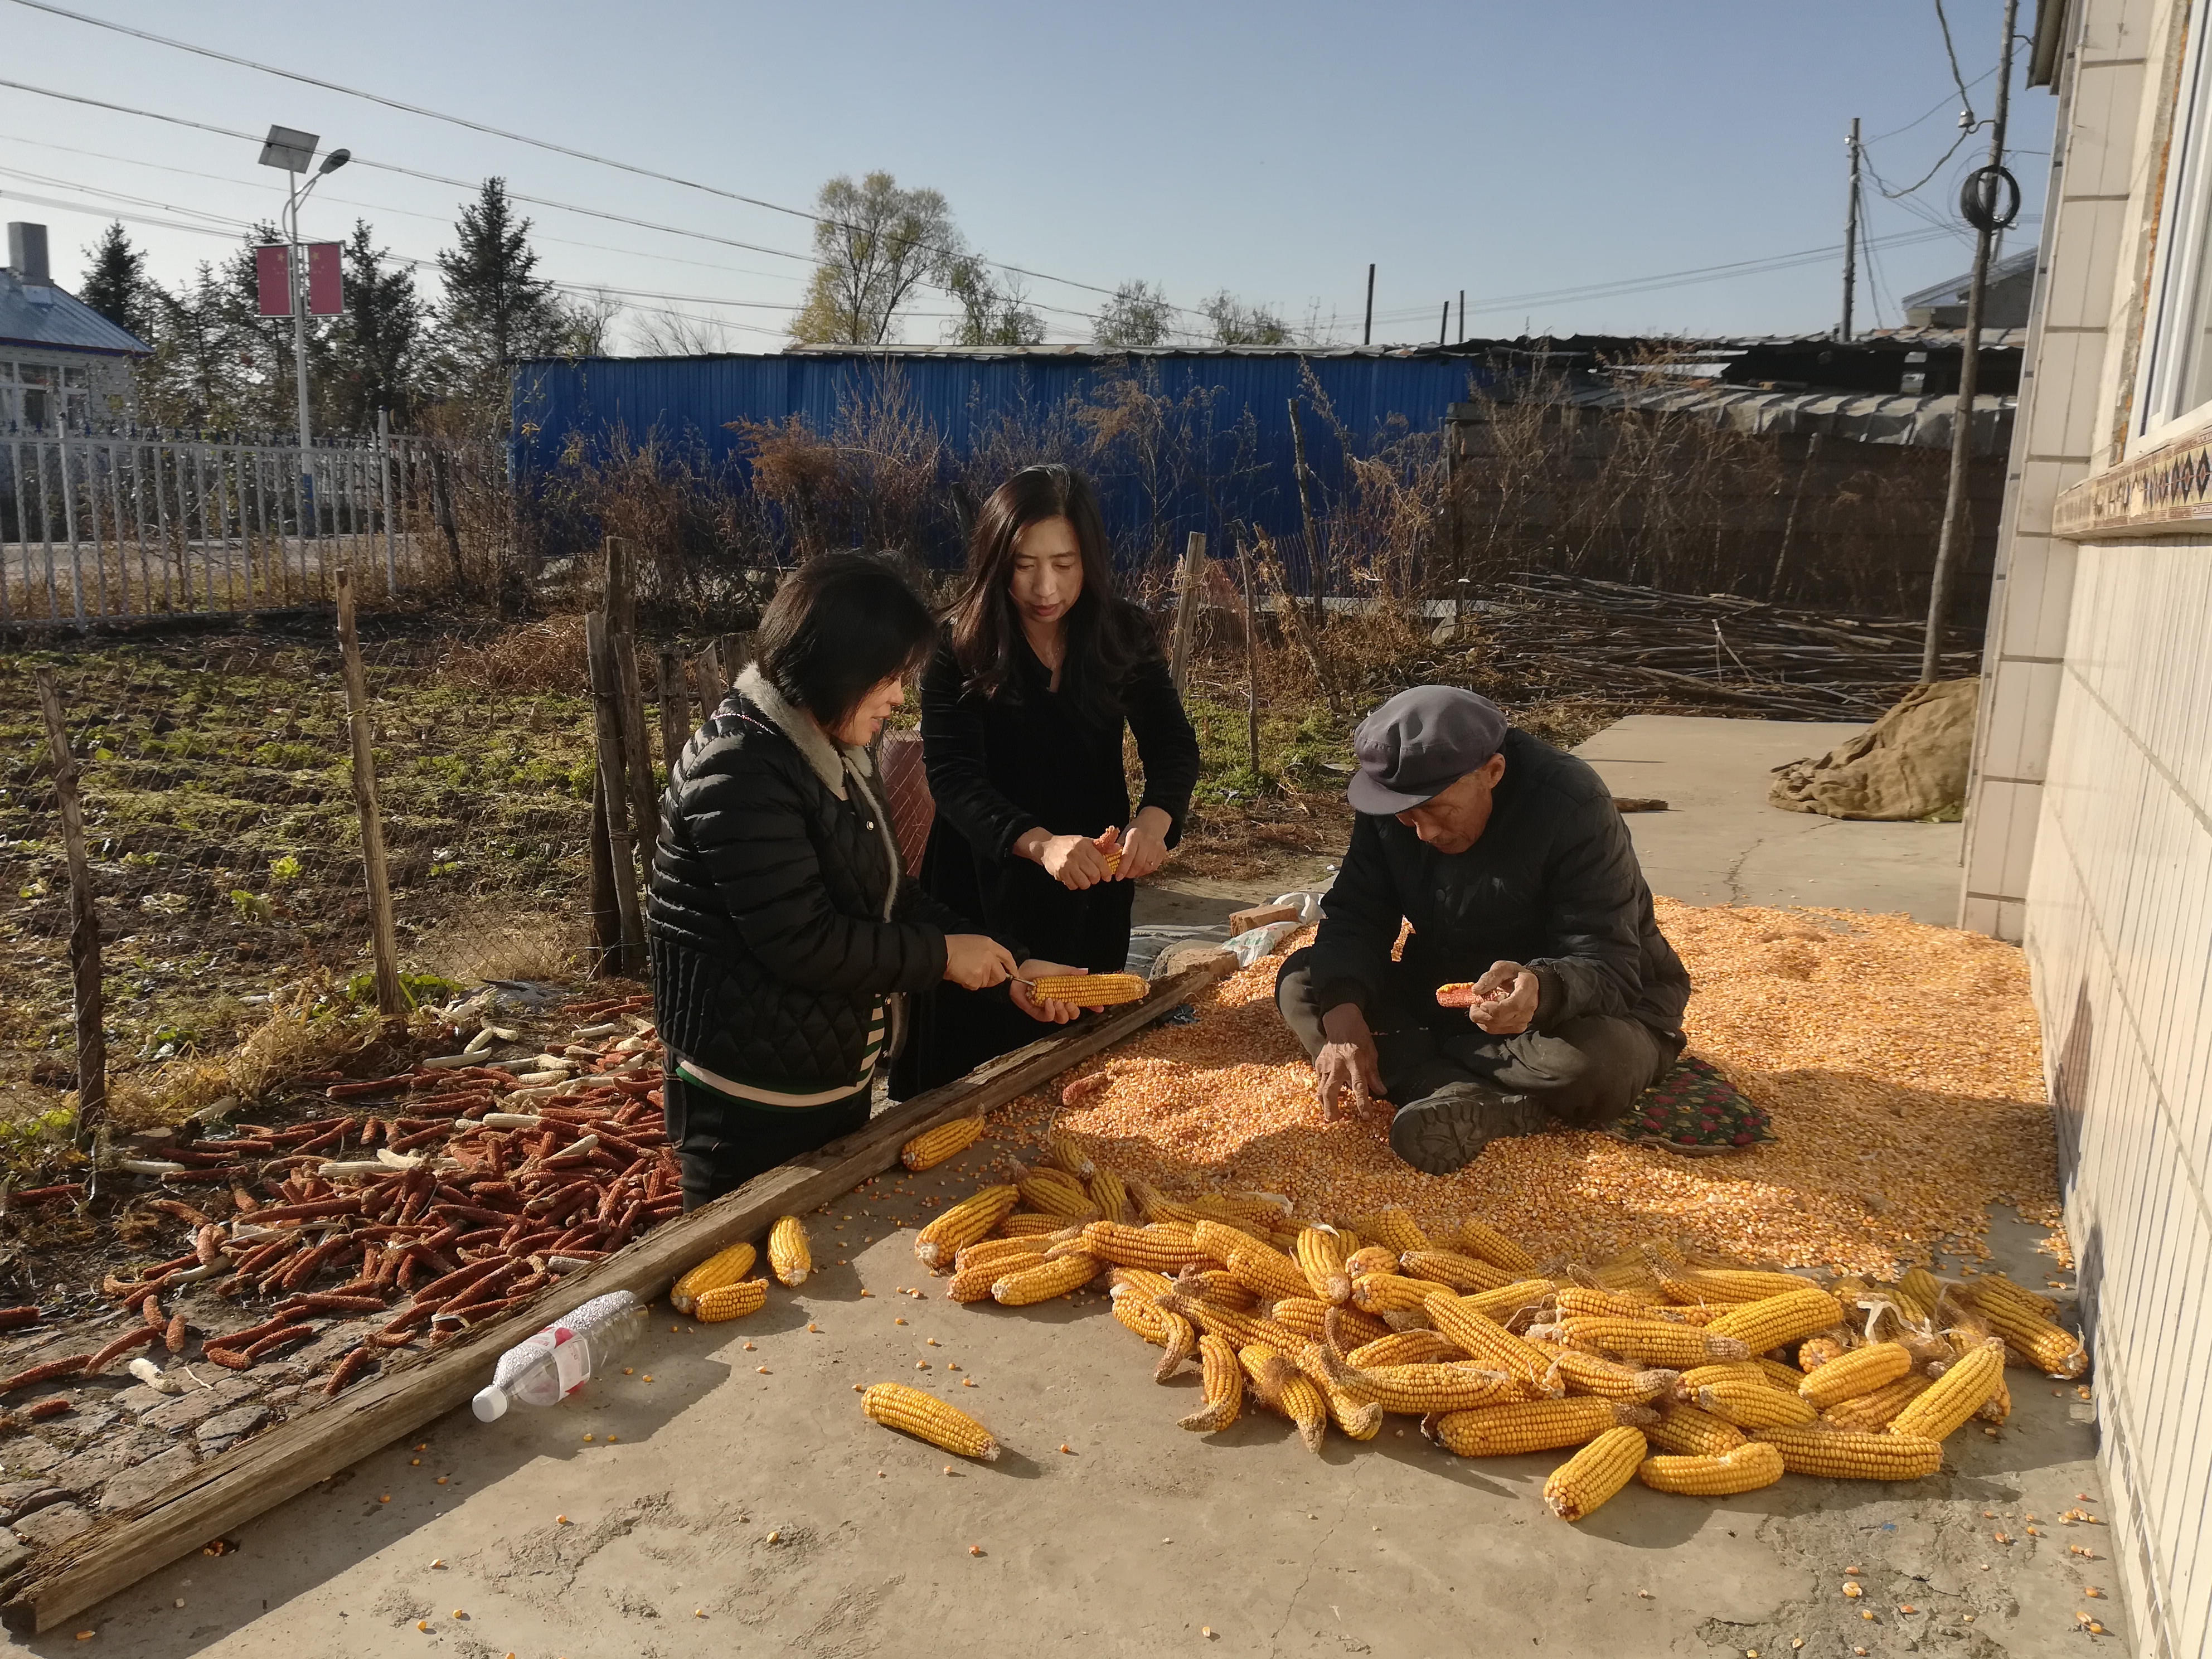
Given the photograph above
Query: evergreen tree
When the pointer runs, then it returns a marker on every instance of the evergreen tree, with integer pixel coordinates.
(115, 283)
(193, 378)
(496, 307)
(378, 343)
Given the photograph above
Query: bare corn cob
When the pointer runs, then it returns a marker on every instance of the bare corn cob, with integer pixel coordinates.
(1487, 1342)
(723, 1267)
(985, 1251)
(1779, 1319)
(788, 1255)
(1465, 1274)
(1418, 1390)
(2052, 1349)
(1063, 1152)
(1650, 1341)
(1593, 1475)
(1743, 1468)
(1162, 1248)
(1860, 1372)
(1509, 1303)
(1754, 1404)
(1954, 1397)
(1108, 1195)
(967, 1222)
(1868, 1412)
(1688, 1432)
(947, 1140)
(1393, 1227)
(1605, 1379)
(1382, 1293)
(1588, 1302)
(1346, 1328)
(1223, 1385)
(1268, 1273)
(1090, 990)
(1284, 1388)
(1474, 1238)
(1370, 1258)
(1018, 1287)
(1054, 1192)
(1816, 1351)
(1730, 1284)
(1527, 1425)
(730, 1301)
(1403, 1348)
(1321, 1252)
(1841, 1454)
(925, 1417)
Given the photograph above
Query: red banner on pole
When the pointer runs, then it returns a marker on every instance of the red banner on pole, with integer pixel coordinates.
(272, 272)
(325, 288)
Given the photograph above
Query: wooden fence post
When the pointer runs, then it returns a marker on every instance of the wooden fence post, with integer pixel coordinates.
(637, 749)
(675, 708)
(605, 908)
(382, 935)
(707, 682)
(1189, 585)
(1272, 569)
(84, 922)
(1251, 660)
(606, 712)
(1316, 560)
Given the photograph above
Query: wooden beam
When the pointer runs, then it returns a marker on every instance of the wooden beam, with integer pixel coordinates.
(84, 923)
(235, 1487)
(614, 789)
(383, 931)
(1188, 588)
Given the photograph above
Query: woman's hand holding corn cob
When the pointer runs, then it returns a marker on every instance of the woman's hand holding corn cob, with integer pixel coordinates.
(974, 962)
(1143, 844)
(1051, 1011)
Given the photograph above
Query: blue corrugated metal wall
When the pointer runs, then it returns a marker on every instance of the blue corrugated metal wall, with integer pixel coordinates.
(1245, 447)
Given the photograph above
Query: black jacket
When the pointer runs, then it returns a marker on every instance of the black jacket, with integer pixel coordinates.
(1552, 884)
(777, 912)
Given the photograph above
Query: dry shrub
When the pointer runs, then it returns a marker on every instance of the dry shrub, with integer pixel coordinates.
(310, 1028)
(170, 1093)
(543, 656)
(488, 940)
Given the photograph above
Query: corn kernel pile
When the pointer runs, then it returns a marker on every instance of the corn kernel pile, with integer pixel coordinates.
(1900, 1063)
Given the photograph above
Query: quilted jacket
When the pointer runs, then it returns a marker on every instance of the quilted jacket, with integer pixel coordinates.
(777, 912)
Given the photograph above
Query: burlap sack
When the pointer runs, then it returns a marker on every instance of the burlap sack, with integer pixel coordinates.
(1910, 763)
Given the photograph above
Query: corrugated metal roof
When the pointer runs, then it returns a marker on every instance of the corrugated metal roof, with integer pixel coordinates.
(43, 315)
(1920, 422)
(1954, 291)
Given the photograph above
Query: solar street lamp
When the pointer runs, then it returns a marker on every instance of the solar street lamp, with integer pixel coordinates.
(293, 151)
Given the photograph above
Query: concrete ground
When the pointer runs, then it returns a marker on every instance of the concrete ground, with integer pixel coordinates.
(730, 1498)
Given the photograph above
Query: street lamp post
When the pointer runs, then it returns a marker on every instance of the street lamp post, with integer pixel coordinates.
(294, 152)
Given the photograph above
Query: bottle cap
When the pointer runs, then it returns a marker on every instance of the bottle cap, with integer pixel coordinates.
(490, 1405)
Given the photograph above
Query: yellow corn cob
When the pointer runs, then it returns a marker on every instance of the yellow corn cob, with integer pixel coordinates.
(2052, 1349)
(1868, 1412)
(974, 1283)
(985, 1251)
(1418, 1390)
(1029, 1224)
(1487, 1342)
(1240, 1329)
(925, 1417)
(1358, 1420)
(1147, 1198)
(1816, 1351)
(1380, 1293)
(1321, 1251)
(1629, 1275)
(1649, 1341)
(1218, 1237)
(1700, 1314)
(1222, 1384)
(1750, 1405)
(1586, 1373)
(947, 1140)
(723, 1267)
(1698, 1376)
(1730, 1285)
(788, 1255)
(1346, 1328)
(1064, 1152)
(1954, 1397)
(1509, 1302)
(1284, 1388)
(1745, 1468)
(1018, 1287)
(1688, 1432)
(1370, 1258)
(1302, 1314)
(1108, 1196)
(1054, 1192)
(1268, 1273)
(1476, 1239)
(1860, 1372)
(1162, 1248)
(1779, 1319)
(1593, 1475)
(1663, 1253)
(1840, 1455)
(1995, 1287)
(1998, 1406)
(1465, 1274)
(730, 1301)
(1218, 1286)
(1916, 1292)
(966, 1223)
(1391, 1226)
(1178, 1344)
(1090, 990)
(1778, 1375)
(1585, 1302)
(1140, 1281)
(1403, 1348)
(1528, 1425)
(1143, 1317)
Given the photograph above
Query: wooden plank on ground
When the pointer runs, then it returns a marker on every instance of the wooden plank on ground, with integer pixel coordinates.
(235, 1487)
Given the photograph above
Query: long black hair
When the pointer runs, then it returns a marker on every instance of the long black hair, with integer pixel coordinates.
(840, 625)
(1106, 635)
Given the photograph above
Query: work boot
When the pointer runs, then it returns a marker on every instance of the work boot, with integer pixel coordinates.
(1448, 1130)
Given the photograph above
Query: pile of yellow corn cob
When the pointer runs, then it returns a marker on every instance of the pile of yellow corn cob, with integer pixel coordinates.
(1695, 1376)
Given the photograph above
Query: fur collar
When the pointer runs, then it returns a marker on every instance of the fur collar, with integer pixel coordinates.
(829, 758)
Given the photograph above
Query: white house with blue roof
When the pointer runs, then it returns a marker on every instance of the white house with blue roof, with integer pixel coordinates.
(59, 359)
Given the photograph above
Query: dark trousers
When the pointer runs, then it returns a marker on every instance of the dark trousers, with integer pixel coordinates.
(1584, 1071)
(722, 1143)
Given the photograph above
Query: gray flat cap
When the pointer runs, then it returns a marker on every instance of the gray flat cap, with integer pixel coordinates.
(1420, 744)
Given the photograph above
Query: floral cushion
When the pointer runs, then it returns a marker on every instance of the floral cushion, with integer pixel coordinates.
(1694, 1110)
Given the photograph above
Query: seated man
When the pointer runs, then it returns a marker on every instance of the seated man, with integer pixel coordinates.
(1509, 860)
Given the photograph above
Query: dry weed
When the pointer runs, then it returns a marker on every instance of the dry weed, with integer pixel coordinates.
(541, 656)
(489, 940)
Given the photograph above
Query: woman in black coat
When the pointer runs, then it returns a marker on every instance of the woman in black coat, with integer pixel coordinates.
(1039, 670)
(785, 939)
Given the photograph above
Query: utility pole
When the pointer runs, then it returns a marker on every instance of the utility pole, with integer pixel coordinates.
(1977, 201)
(1463, 316)
(1852, 233)
(1443, 324)
(1367, 333)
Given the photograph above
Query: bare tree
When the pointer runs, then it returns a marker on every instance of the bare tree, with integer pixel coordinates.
(659, 333)
(874, 245)
(992, 314)
(1234, 323)
(1138, 314)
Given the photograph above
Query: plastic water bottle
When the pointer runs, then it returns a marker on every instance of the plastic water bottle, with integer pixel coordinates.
(560, 1359)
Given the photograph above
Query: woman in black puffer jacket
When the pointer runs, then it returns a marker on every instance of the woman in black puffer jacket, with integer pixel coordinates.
(784, 936)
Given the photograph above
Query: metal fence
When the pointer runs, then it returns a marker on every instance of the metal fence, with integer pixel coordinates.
(101, 526)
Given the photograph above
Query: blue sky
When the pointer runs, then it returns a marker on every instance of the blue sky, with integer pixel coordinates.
(1506, 150)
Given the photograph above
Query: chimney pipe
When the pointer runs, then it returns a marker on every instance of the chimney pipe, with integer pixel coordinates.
(26, 255)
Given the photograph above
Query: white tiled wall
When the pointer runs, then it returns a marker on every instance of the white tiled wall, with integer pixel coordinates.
(2119, 934)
